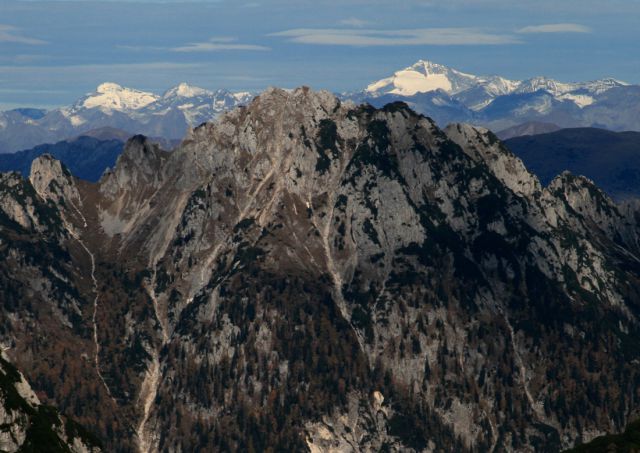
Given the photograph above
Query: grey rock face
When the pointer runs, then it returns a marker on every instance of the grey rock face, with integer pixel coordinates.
(304, 273)
(52, 180)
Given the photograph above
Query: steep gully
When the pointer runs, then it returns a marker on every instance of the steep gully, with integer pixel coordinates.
(69, 227)
(149, 388)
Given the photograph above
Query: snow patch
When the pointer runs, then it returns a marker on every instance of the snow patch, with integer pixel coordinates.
(581, 100)
(184, 90)
(408, 83)
(241, 96)
(76, 120)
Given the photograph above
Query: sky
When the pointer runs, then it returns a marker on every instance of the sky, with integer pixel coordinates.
(53, 52)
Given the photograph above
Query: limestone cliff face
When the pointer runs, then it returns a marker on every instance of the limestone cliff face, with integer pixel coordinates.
(309, 274)
(52, 180)
(16, 202)
(485, 148)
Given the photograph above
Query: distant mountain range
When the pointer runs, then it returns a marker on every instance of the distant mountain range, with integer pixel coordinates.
(448, 95)
(536, 110)
(137, 112)
(530, 128)
(444, 94)
(610, 159)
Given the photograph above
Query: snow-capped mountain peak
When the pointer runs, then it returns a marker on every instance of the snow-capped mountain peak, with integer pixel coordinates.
(560, 89)
(242, 96)
(498, 86)
(545, 84)
(602, 85)
(184, 90)
(476, 93)
(427, 67)
(111, 96)
(423, 77)
(108, 87)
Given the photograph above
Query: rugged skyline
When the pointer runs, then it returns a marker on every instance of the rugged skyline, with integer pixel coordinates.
(319, 225)
(52, 50)
(308, 275)
(444, 94)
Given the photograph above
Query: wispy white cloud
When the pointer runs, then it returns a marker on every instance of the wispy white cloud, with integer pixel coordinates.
(354, 22)
(245, 78)
(140, 48)
(9, 33)
(555, 28)
(218, 44)
(24, 58)
(412, 37)
(104, 68)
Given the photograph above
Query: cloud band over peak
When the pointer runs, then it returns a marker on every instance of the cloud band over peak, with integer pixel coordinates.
(410, 37)
(555, 28)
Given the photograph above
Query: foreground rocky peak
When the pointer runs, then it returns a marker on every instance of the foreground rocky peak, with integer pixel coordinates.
(18, 203)
(52, 180)
(307, 274)
(139, 166)
(620, 223)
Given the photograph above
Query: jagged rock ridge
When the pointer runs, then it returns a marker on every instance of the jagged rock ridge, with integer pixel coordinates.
(310, 274)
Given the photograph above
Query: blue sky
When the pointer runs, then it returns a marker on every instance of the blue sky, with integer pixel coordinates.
(52, 52)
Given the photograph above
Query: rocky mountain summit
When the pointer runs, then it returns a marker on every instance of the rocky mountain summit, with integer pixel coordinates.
(308, 274)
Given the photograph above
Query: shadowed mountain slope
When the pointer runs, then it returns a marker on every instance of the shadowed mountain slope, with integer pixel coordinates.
(610, 159)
